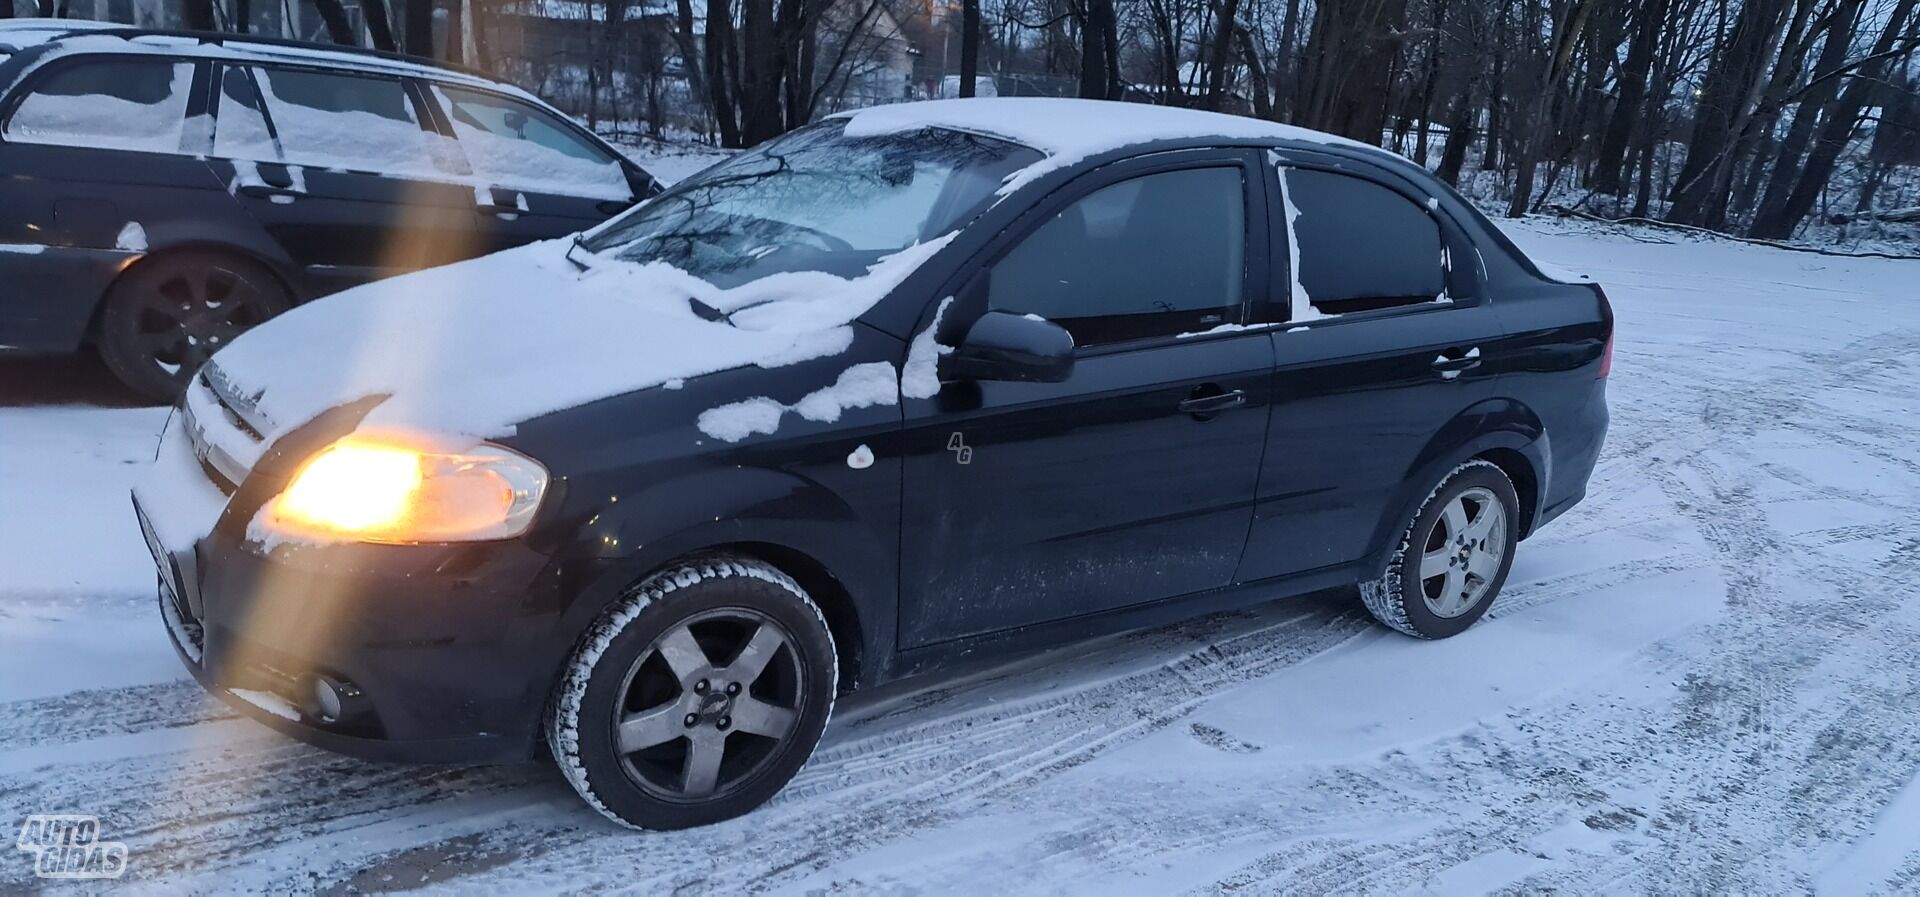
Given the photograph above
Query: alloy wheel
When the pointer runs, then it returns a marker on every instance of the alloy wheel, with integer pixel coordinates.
(704, 708)
(1463, 552)
(192, 311)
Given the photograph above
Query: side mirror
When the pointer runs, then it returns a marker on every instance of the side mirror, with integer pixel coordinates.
(643, 184)
(1007, 346)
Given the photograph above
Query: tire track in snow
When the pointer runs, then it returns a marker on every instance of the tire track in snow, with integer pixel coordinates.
(97, 712)
(890, 784)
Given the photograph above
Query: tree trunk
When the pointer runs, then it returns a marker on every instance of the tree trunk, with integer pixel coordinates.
(1459, 134)
(1643, 187)
(1432, 79)
(1496, 98)
(1876, 175)
(1256, 75)
(1284, 67)
(379, 28)
(195, 15)
(718, 51)
(1097, 40)
(1806, 117)
(760, 117)
(420, 28)
(1732, 90)
(1535, 127)
(969, 46)
(339, 29)
(1834, 133)
(1608, 170)
(691, 60)
(1221, 53)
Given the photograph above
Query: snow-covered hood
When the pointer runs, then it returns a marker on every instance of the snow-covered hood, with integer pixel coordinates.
(472, 349)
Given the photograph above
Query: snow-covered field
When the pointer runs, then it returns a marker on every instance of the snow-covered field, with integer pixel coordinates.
(1704, 678)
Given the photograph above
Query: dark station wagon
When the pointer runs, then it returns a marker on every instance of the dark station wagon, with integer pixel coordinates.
(164, 192)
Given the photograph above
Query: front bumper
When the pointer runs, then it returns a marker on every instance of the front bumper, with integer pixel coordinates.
(447, 653)
(447, 667)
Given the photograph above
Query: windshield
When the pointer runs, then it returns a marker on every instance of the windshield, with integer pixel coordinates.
(815, 200)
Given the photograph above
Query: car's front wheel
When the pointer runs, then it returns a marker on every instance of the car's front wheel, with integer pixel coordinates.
(1452, 557)
(695, 697)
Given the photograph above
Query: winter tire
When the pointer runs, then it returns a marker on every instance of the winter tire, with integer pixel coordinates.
(696, 696)
(1452, 559)
(169, 313)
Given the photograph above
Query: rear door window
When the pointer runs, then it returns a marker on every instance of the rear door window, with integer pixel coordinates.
(240, 129)
(1361, 245)
(1155, 256)
(354, 122)
(125, 104)
(514, 144)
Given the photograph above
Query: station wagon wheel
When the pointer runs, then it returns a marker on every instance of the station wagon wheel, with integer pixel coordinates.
(1452, 557)
(696, 696)
(168, 314)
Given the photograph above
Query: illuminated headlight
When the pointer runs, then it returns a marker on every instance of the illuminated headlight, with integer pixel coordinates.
(371, 490)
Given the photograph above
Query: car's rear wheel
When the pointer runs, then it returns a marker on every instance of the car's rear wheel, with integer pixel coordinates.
(1452, 557)
(696, 697)
(169, 313)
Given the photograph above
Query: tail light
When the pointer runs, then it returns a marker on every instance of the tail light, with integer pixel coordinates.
(1606, 315)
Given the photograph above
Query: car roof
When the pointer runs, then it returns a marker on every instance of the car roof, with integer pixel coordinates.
(18, 34)
(62, 36)
(1073, 129)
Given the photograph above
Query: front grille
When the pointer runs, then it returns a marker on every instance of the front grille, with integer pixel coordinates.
(226, 440)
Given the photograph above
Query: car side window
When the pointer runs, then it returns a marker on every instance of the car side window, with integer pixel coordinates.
(1154, 256)
(126, 104)
(349, 121)
(240, 127)
(1361, 245)
(514, 144)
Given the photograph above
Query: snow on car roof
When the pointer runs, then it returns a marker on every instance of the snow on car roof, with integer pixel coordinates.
(1069, 130)
(94, 37)
(19, 34)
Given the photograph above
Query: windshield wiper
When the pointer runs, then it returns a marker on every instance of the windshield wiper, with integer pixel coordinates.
(708, 312)
(579, 244)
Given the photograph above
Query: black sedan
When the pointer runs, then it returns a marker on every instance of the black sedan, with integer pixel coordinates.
(912, 384)
(164, 192)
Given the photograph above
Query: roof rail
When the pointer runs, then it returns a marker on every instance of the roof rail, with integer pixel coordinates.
(221, 39)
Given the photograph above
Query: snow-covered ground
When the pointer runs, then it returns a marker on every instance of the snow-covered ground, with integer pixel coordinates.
(1705, 677)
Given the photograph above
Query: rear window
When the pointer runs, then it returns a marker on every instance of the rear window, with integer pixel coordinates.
(1362, 246)
(130, 104)
(240, 129)
(354, 122)
(513, 144)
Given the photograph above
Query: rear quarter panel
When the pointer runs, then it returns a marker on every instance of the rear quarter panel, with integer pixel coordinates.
(1557, 334)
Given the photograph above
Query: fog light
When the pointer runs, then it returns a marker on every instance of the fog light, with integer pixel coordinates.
(328, 699)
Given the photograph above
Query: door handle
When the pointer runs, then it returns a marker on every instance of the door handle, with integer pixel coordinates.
(266, 191)
(500, 202)
(1209, 400)
(1450, 368)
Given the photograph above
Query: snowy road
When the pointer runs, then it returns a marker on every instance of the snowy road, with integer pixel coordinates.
(1706, 677)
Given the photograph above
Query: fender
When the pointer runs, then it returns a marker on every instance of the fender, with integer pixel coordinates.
(631, 535)
(243, 238)
(1494, 425)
